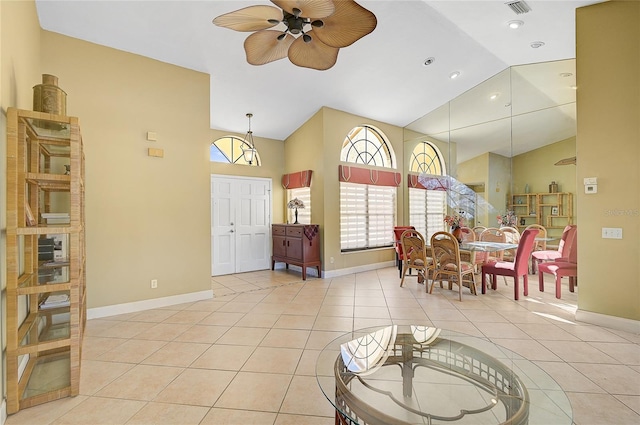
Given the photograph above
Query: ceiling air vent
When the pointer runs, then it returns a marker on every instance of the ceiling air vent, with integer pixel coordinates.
(519, 7)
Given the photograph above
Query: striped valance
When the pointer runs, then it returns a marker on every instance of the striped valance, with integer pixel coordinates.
(297, 180)
(426, 182)
(349, 174)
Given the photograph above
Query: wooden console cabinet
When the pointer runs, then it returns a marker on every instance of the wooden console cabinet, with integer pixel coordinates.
(297, 244)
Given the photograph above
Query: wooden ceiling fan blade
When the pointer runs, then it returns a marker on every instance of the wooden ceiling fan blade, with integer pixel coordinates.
(314, 55)
(567, 161)
(263, 46)
(252, 18)
(349, 23)
(315, 9)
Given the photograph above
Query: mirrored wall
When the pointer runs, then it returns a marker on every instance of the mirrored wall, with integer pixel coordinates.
(513, 134)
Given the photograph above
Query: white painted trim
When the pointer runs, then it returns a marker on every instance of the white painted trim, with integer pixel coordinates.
(114, 310)
(3, 411)
(328, 274)
(614, 322)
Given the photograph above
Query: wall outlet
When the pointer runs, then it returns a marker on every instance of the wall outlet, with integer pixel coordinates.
(611, 233)
(331, 260)
(154, 283)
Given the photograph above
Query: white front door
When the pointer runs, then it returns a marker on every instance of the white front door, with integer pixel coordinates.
(240, 224)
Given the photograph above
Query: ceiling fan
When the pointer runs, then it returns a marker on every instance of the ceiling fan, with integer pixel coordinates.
(314, 30)
(567, 161)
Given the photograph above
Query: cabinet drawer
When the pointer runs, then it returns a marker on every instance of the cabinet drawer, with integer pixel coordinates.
(294, 231)
(278, 230)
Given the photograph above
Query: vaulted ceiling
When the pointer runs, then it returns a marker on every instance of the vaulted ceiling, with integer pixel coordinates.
(381, 76)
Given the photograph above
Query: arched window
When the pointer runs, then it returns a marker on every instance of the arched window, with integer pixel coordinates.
(229, 149)
(368, 146)
(426, 159)
(427, 208)
(367, 206)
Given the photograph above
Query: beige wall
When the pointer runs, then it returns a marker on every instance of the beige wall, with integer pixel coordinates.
(608, 147)
(536, 168)
(474, 171)
(322, 149)
(146, 218)
(19, 72)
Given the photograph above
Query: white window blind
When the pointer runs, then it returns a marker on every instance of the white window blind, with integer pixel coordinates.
(367, 216)
(427, 209)
(304, 214)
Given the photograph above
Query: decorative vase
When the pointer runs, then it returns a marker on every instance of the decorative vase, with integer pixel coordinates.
(456, 231)
(296, 214)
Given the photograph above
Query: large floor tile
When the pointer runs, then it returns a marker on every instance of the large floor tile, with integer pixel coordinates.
(273, 360)
(217, 416)
(196, 387)
(101, 411)
(168, 414)
(143, 382)
(255, 391)
(224, 357)
(600, 409)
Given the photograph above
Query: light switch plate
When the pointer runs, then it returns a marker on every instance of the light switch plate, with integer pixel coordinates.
(590, 189)
(158, 153)
(590, 180)
(611, 233)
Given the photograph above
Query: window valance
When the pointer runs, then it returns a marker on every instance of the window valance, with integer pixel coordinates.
(297, 180)
(427, 182)
(349, 174)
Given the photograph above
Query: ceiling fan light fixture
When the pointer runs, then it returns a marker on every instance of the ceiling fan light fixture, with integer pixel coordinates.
(315, 30)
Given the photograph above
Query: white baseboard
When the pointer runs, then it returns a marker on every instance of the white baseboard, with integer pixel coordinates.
(613, 322)
(328, 274)
(133, 307)
(3, 411)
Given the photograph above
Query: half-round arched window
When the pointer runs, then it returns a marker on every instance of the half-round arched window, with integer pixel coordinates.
(367, 145)
(230, 149)
(427, 159)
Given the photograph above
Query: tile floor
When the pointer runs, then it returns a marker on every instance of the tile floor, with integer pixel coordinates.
(248, 355)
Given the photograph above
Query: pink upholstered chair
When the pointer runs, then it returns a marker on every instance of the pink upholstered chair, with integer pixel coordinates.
(538, 257)
(562, 267)
(515, 269)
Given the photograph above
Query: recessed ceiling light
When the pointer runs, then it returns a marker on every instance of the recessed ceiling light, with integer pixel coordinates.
(454, 75)
(428, 61)
(566, 74)
(494, 96)
(514, 25)
(537, 44)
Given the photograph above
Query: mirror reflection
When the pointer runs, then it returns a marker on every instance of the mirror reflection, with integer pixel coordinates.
(501, 142)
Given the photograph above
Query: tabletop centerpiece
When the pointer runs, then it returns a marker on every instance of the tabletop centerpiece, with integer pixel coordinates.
(455, 222)
(294, 204)
(508, 219)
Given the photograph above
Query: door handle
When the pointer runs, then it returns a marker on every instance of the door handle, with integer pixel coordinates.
(231, 231)
(231, 224)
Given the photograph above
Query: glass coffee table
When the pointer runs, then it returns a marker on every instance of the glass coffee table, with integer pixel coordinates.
(411, 374)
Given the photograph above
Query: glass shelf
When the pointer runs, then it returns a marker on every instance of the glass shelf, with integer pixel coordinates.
(46, 325)
(45, 129)
(50, 373)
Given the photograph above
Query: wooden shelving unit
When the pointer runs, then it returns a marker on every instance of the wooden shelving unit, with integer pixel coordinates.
(46, 309)
(551, 210)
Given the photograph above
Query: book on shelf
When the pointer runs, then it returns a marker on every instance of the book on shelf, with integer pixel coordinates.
(55, 301)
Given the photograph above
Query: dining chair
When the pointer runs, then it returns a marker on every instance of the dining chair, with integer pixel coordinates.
(447, 266)
(562, 267)
(515, 269)
(415, 256)
(492, 234)
(397, 233)
(538, 257)
(478, 230)
(468, 235)
(512, 235)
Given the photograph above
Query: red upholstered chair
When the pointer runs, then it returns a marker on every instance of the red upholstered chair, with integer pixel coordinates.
(562, 267)
(538, 257)
(397, 233)
(517, 268)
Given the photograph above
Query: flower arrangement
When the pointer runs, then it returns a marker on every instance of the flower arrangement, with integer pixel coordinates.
(454, 221)
(295, 203)
(508, 219)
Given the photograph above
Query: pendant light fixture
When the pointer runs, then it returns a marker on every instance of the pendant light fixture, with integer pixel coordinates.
(250, 152)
